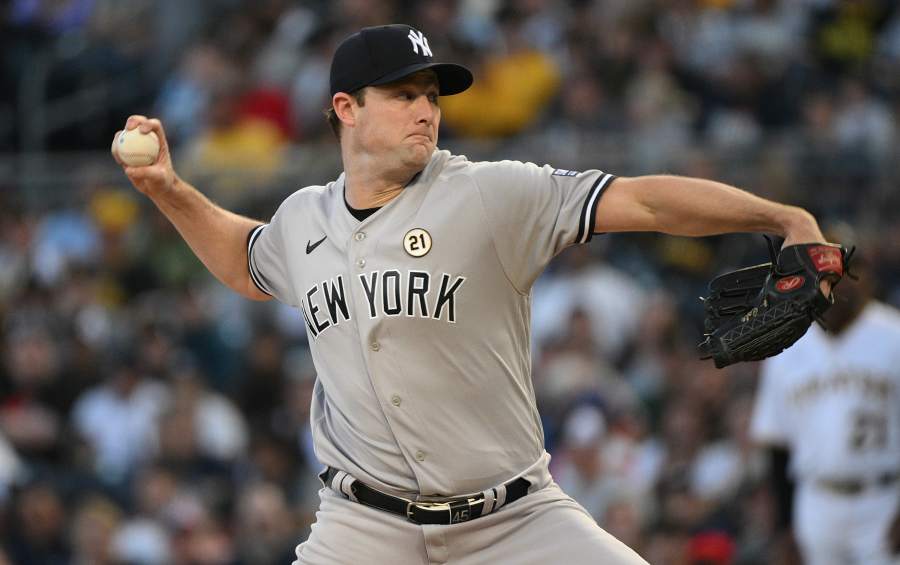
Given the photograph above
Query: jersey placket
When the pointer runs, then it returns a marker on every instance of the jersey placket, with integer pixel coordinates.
(365, 263)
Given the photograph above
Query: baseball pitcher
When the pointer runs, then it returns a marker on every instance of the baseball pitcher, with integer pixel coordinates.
(413, 271)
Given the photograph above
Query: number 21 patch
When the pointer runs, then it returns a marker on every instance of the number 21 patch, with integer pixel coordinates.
(417, 242)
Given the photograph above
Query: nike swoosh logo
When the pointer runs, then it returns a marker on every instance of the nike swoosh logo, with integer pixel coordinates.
(310, 247)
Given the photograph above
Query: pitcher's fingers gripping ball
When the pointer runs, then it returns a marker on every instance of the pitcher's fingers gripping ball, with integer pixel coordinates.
(757, 312)
(142, 150)
(135, 148)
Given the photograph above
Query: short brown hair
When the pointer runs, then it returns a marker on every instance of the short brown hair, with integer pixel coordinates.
(331, 115)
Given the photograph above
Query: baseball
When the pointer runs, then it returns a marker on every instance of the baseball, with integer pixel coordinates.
(136, 149)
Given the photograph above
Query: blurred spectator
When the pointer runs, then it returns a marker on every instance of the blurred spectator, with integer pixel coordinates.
(12, 470)
(141, 541)
(770, 30)
(270, 105)
(185, 95)
(144, 536)
(156, 492)
(37, 528)
(701, 35)
(239, 143)
(624, 519)
(889, 41)
(757, 538)
(666, 544)
(586, 108)
(206, 542)
(218, 426)
(649, 360)
(31, 409)
(612, 301)
(272, 461)
(711, 548)
(94, 524)
(266, 526)
(179, 448)
(658, 111)
(259, 391)
(177, 26)
(570, 370)
(816, 150)
(845, 32)
(512, 89)
(543, 22)
(635, 456)
(63, 237)
(442, 20)
(355, 14)
(118, 419)
(280, 55)
(15, 241)
(58, 16)
(290, 420)
(580, 469)
(309, 91)
(864, 126)
(724, 466)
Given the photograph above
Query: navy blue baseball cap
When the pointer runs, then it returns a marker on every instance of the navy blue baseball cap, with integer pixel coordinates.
(383, 54)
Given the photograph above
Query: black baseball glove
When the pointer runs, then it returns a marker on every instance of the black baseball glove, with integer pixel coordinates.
(759, 311)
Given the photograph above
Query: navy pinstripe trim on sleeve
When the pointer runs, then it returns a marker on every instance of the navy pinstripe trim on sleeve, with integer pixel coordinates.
(254, 274)
(588, 218)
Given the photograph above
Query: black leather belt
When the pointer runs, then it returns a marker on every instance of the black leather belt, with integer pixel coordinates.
(449, 511)
(853, 487)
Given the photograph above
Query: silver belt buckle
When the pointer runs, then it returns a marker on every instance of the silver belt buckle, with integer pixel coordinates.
(427, 507)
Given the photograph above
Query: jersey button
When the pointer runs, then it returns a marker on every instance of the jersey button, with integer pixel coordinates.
(361, 235)
(374, 346)
(361, 263)
(395, 400)
(420, 455)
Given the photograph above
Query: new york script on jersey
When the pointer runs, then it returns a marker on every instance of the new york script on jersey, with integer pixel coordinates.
(388, 293)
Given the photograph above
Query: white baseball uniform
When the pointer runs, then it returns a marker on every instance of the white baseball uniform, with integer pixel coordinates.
(834, 402)
(418, 323)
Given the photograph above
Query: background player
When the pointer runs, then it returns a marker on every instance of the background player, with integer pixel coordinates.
(829, 408)
(413, 271)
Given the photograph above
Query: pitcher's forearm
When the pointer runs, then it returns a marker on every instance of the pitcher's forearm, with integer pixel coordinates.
(697, 207)
(218, 237)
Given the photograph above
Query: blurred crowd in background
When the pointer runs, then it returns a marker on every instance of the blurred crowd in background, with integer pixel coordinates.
(148, 415)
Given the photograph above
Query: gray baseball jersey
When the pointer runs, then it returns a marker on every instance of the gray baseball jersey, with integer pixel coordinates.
(418, 316)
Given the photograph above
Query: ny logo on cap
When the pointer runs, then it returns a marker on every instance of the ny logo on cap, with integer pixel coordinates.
(418, 39)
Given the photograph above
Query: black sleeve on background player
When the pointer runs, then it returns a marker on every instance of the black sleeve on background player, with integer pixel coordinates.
(782, 486)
